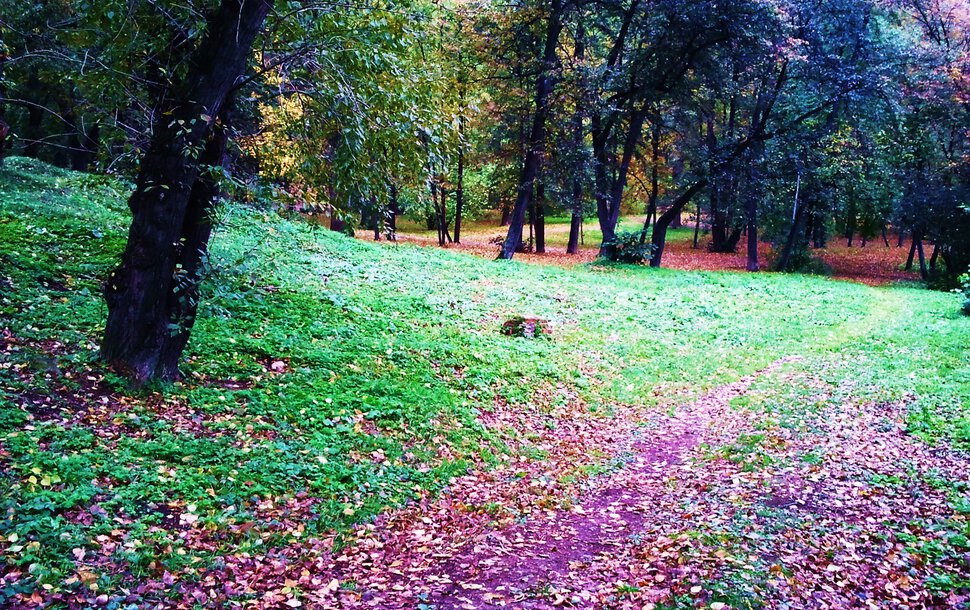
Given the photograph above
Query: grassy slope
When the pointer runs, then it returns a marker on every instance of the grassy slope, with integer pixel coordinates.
(387, 353)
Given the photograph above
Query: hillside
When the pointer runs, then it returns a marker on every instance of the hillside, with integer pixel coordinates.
(352, 426)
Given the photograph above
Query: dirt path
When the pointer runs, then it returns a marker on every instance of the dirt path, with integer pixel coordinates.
(776, 491)
(812, 501)
(549, 561)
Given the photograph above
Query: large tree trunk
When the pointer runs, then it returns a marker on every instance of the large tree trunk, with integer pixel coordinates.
(912, 252)
(537, 137)
(659, 236)
(609, 191)
(149, 295)
(194, 250)
(785, 259)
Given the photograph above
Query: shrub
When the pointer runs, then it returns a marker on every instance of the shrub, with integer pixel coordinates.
(627, 248)
(964, 289)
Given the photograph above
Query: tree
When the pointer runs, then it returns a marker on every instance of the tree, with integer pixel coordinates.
(152, 296)
(537, 136)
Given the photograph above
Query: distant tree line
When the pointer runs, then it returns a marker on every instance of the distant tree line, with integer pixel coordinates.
(796, 121)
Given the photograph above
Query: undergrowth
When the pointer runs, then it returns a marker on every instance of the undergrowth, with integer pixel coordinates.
(349, 375)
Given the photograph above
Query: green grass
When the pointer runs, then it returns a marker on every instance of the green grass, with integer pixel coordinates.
(557, 230)
(389, 353)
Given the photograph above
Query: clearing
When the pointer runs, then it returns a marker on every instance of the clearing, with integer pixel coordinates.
(354, 431)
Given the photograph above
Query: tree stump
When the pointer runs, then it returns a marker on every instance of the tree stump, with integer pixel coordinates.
(529, 327)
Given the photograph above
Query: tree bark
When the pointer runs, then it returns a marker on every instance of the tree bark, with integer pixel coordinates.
(923, 273)
(537, 136)
(654, 178)
(540, 218)
(193, 253)
(608, 200)
(659, 237)
(392, 212)
(337, 223)
(4, 126)
(576, 218)
(149, 296)
(697, 226)
(912, 252)
(785, 259)
(460, 187)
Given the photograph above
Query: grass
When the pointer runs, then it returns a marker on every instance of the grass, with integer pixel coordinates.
(346, 374)
(557, 230)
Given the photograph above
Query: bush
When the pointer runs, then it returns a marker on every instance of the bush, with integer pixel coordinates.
(627, 248)
(802, 261)
(964, 289)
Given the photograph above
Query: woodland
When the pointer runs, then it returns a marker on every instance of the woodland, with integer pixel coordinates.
(434, 304)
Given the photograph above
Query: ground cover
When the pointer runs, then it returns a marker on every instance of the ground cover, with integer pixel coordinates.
(353, 428)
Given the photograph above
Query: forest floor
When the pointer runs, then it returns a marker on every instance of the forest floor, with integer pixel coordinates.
(354, 431)
(874, 264)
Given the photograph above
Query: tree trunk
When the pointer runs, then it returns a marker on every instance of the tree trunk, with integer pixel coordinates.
(912, 252)
(540, 218)
(81, 143)
(609, 199)
(923, 273)
(575, 224)
(375, 218)
(443, 235)
(32, 131)
(850, 223)
(659, 237)
(194, 251)
(785, 259)
(506, 214)
(4, 126)
(576, 218)
(676, 223)
(717, 190)
(537, 137)
(392, 212)
(337, 223)
(654, 177)
(150, 295)
(460, 187)
(697, 226)
(752, 230)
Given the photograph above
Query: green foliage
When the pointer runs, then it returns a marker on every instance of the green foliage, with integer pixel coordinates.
(630, 247)
(964, 289)
(320, 370)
